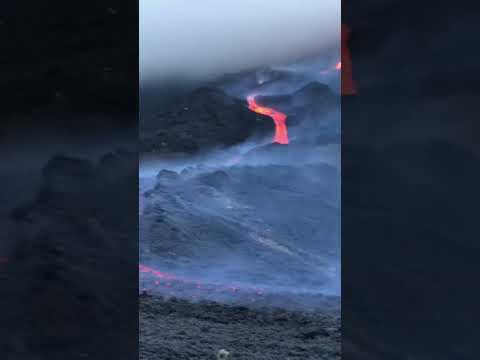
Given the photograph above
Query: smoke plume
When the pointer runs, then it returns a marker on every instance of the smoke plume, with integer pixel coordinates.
(201, 39)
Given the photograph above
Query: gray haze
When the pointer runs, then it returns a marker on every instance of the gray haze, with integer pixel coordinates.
(198, 39)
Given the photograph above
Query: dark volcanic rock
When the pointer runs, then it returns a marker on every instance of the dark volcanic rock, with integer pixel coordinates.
(203, 119)
(264, 80)
(313, 100)
(176, 329)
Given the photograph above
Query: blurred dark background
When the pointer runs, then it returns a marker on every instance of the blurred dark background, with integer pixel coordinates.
(68, 135)
(69, 57)
(410, 174)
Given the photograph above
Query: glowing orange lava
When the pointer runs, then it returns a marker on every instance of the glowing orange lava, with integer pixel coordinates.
(155, 273)
(279, 118)
(331, 69)
(169, 283)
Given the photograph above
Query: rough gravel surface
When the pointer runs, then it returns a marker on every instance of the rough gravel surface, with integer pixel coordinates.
(178, 329)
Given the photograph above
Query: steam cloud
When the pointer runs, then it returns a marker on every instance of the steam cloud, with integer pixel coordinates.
(200, 39)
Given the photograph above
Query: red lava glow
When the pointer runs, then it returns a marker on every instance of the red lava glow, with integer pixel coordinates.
(331, 69)
(161, 279)
(279, 118)
(155, 273)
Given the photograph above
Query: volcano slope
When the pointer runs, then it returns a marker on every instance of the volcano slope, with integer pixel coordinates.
(275, 225)
(262, 242)
(240, 246)
(253, 237)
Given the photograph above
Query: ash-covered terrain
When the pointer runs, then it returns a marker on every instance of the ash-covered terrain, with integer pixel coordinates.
(236, 229)
(272, 225)
(178, 329)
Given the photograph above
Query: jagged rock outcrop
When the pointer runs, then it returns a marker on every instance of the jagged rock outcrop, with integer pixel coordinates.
(203, 119)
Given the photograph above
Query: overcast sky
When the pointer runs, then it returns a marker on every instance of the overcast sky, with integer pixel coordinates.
(199, 38)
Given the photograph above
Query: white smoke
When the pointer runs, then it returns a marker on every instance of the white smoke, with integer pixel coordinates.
(199, 39)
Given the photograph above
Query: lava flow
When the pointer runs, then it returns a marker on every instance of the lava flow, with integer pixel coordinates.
(279, 118)
(155, 273)
(173, 285)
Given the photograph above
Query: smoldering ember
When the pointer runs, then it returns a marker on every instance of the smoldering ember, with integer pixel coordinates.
(240, 218)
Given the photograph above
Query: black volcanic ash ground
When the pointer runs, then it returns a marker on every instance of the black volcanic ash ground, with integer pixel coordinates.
(178, 329)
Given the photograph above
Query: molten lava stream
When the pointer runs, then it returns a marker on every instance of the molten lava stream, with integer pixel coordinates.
(170, 281)
(279, 118)
(156, 273)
